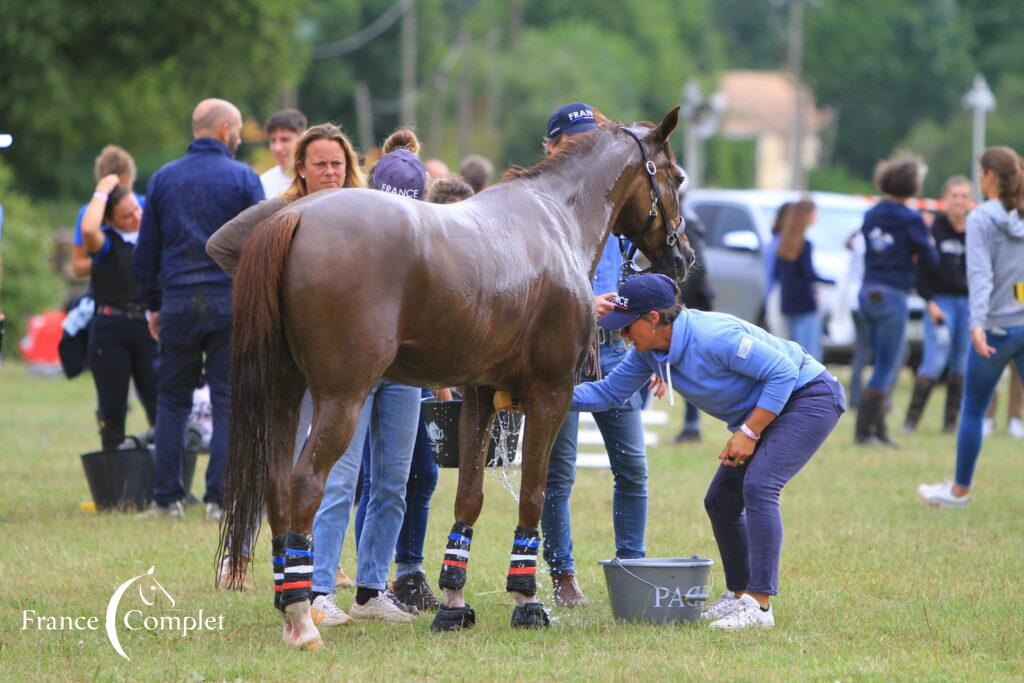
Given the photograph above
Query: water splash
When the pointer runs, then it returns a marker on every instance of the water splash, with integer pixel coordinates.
(502, 430)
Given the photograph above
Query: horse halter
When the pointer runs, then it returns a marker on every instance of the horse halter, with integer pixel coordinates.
(657, 207)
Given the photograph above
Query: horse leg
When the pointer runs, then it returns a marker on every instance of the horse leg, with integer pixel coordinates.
(545, 409)
(474, 437)
(334, 421)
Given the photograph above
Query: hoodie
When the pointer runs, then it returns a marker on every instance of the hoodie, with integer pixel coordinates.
(893, 234)
(995, 266)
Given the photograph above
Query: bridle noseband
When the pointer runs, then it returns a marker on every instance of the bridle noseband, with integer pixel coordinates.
(657, 207)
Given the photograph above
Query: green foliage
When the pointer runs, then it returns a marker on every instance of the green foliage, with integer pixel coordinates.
(131, 74)
(839, 179)
(730, 163)
(29, 284)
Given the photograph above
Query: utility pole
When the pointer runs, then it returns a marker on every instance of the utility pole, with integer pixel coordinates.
(465, 97)
(408, 113)
(364, 116)
(980, 100)
(795, 62)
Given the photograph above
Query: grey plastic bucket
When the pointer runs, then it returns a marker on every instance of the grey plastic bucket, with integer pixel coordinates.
(658, 590)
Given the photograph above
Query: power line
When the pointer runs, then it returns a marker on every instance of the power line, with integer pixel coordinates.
(365, 35)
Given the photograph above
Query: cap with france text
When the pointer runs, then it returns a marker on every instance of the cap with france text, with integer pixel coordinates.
(573, 118)
(639, 295)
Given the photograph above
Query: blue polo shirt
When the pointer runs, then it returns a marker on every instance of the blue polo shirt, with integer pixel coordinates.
(723, 365)
(77, 241)
(187, 201)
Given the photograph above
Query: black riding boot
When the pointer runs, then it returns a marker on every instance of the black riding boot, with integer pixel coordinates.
(881, 430)
(922, 389)
(954, 396)
(867, 415)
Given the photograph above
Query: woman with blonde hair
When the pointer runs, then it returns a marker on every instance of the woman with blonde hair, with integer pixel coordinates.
(796, 275)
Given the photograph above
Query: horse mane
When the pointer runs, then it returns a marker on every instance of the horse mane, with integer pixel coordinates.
(574, 144)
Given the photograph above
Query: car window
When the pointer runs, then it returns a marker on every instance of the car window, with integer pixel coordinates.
(724, 219)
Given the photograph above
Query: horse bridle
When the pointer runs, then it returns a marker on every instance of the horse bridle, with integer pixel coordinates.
(657, 207)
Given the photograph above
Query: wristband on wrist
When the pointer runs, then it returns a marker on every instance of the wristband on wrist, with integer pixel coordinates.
(749, 432)
(102, 196)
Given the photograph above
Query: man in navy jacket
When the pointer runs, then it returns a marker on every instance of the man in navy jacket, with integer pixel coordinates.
(188, 297)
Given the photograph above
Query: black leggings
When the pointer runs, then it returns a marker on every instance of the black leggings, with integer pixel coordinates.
(120, 349)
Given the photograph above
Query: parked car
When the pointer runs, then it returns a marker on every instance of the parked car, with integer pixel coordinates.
(738, 225)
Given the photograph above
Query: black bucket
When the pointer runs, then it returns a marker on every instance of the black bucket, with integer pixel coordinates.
(442, 422)
(123, 479)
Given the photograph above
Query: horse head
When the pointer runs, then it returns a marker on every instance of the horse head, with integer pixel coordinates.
(650, 217)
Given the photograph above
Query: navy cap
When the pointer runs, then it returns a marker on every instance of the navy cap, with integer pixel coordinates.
(400, 172)
(641, 294)
(573, 118)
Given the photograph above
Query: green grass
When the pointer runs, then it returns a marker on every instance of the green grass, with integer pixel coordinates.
(874, 584)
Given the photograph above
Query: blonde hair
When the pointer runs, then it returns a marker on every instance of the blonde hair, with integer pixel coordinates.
(794, 228)
(324, 131)
(116, 160)
(401, 139)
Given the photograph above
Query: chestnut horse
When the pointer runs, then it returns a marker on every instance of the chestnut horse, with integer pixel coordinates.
(344, 287)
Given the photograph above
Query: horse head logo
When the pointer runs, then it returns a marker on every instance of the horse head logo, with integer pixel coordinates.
(149, 592)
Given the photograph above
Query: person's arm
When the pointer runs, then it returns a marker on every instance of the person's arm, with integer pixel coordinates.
(93, 238)
(810, 268)
(146, 258)
(979, 281)
(80, 264)
(923, 244)
(613, 391)
(763, 362)
(225, 245)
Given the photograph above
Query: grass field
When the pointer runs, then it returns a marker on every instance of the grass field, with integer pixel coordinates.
(874, 584)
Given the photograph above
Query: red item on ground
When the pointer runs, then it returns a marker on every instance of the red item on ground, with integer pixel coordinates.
(39, 345)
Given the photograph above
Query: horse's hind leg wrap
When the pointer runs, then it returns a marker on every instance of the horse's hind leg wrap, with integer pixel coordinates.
(456, 557)
(522, 567)
(293, 568)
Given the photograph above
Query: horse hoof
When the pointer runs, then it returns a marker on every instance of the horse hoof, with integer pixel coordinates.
(531, 615)
(314, 644)
(453, 618)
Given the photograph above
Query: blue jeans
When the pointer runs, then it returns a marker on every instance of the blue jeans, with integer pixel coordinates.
(743, 501)
(954, 354)
(982, 376)
(418, 492)
(884, 311)
(389, 418)
(623, 435)
(805, 330)
(191, 328)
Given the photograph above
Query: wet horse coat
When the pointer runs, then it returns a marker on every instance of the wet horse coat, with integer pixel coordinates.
(347, 286)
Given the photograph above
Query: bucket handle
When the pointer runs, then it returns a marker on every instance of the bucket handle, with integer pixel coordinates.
(691, 597)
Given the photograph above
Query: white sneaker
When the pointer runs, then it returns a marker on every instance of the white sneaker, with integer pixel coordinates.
(941, 495)
(1015, 427)
(724, 604)
(988, 427)
(175, 510)
(325, 613)
(212, 512)
(746, 614)
(381, 608)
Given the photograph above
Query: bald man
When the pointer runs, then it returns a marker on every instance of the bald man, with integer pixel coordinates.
(188, 297)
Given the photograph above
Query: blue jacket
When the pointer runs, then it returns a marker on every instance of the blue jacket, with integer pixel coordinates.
(796, 281)
(723, 365)
(187, 201)
(893, 233)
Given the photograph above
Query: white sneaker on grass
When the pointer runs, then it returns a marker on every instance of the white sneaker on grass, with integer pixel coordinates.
(746, 614)
(725, 603)
(325, 613)
(380, 607)
(1015, 428)
(941, 495)
(988, 427)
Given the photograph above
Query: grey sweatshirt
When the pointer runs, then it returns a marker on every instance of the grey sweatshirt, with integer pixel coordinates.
(995, 266)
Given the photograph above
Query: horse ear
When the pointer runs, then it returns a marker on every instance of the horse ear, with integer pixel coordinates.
(667, 125)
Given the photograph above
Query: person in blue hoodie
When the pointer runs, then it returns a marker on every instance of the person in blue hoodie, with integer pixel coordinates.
(779, 403)
(896, 240)
(995, 287)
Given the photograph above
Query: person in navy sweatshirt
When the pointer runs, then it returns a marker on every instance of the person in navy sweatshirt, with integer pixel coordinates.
(896, 240)
(779, 403)
(796, 275)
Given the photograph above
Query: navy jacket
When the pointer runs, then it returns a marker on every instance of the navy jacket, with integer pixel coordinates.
(893, 234)
(186, 201)
(796, 280)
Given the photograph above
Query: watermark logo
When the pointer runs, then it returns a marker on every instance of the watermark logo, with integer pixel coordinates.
(151, 593)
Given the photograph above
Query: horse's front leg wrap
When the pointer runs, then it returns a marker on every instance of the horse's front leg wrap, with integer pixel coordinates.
(456, 557)
(293, 569)
(522, 568)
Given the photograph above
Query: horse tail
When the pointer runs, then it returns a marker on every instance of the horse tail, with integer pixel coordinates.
(261, 362)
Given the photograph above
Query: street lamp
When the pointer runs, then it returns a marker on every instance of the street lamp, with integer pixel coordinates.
(980, 100)
(6, 140)
(702, 115)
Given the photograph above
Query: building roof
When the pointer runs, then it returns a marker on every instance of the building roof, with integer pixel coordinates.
(764, 101)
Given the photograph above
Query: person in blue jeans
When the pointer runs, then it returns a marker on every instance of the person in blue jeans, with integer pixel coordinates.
(778, 401)
(390, 419)
(620, 426)
(188, 297)
(944, 289)
(895, 236)
(794, 270)
(995, 281)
